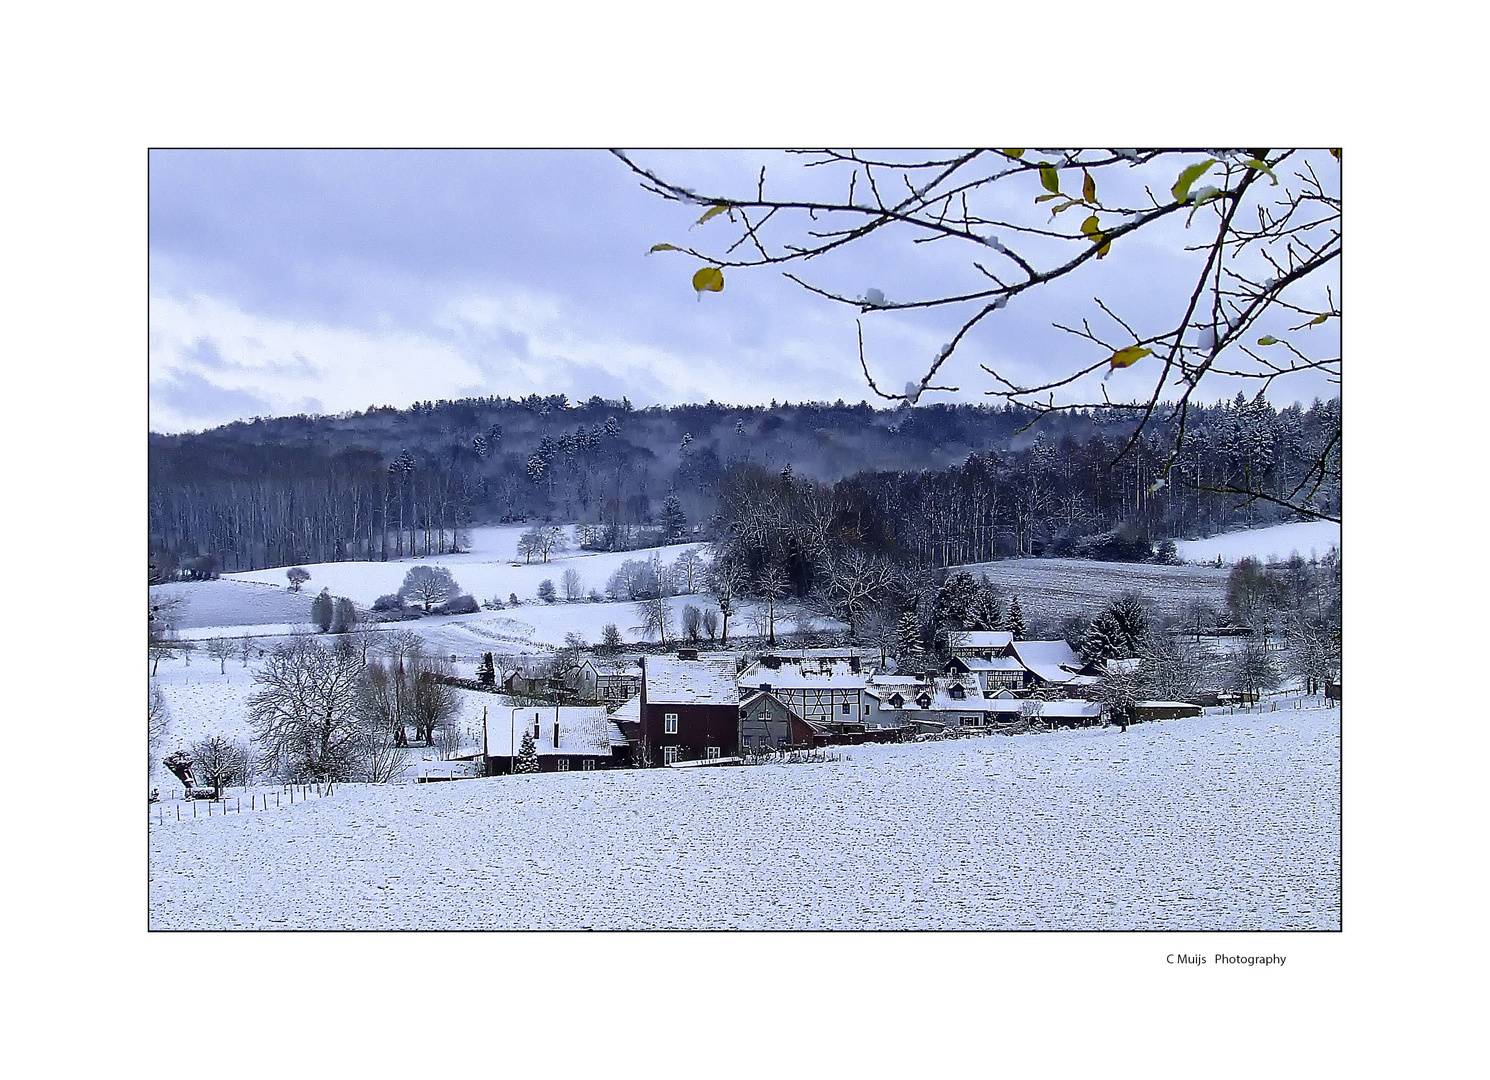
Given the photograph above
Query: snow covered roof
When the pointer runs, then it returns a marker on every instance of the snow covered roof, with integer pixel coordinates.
(1123, 667)
(945, 699)
(624, 673)
(690, 682)
(1053, 661)
(836, 674)
(998, 663)
(979, 639)
(583, 730)
(631, 710)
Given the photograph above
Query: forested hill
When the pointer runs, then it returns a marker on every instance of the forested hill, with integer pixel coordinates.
(375, 483)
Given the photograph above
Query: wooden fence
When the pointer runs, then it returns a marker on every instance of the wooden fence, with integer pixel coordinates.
(287, 795)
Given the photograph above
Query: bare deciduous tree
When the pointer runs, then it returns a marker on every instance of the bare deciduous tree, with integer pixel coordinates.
(220, 649)
(305, 710)
(428, 585)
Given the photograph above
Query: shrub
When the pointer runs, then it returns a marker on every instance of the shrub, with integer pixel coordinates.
(546, 591)
(464, 604)
(387, 602)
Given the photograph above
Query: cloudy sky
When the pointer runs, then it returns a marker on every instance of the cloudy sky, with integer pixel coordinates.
(323, 281)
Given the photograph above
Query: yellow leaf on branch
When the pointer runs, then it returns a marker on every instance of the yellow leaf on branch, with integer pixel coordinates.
(1088, 187)
(1181, 189)
(1049, 180)
(1127, 357)
(663, 247)
(709, 279)
(713, 211)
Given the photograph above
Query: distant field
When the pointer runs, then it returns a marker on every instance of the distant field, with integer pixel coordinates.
(229, 602)
(1055, 588)
(1272, 544)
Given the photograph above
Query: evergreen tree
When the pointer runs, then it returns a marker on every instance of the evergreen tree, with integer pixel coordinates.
(321, 610)
(674, 523)
(1016, 620)
(1104, 640)
(343, 616)
(1132, 621)
(486, 674)
(546, 591)
(527, 755)
(909, 650)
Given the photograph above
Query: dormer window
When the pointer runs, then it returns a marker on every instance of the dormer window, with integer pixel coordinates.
(957, 692)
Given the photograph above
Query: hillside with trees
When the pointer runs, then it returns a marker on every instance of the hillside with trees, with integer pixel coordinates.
(936, 484)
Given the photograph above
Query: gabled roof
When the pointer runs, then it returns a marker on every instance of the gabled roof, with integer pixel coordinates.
(583, 730)
(1053, 661)
(979, 665)
(631, 709)
(979, 639)
(689, 682)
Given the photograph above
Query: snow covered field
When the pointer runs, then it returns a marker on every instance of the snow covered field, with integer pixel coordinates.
(1272, 544)
(484, 571)
(1055, 588)
(1214, 823)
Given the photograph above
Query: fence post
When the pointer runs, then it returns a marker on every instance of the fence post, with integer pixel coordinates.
(194, 808)
(178, 811)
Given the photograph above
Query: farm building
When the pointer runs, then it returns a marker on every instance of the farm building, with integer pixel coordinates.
(1050, 664)
(993, 674)
(570, 738)
(689, 709)
(940, 703)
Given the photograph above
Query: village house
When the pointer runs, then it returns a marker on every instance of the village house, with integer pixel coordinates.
(821, 689)
(614, 685)
(769, 723)
(569, 738)
(689, 710)
(979, 644)
(938, 703)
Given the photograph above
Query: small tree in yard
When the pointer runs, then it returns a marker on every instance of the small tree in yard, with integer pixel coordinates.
(711, 622)
(321, 609)
(1251, 671)
(574, 585)
(527, 756)
(692, 621)
(513, 600)
(219, 761)
(546, 591)
(486, 674)
(1120, 691)
(298, 576)
(245, 648)
(220, 649)
(610, 636)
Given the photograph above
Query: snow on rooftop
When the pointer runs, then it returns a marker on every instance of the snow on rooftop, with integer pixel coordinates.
(1053, 661)
(998, 663)
(583, 730)
(980, 639)
(837, 674)
(630, 710)
(689, 682)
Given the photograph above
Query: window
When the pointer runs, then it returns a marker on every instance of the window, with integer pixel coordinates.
(563, 764)
(670, 723)
(713, 752)
(669, 754)
(847, 708)
(971, 721)
(588, 765)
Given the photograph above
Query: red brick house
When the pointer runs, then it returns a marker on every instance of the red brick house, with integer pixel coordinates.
(690, 711)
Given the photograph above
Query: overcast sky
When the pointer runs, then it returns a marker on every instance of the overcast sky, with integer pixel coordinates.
(323, 281)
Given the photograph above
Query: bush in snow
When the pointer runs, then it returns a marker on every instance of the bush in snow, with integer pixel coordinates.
(546, 591)
(386, 602)
(464, 604)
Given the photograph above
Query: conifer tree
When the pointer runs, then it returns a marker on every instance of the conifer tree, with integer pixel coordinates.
(527, 755)
(1016, 620)
(321, 610)
(908, 639)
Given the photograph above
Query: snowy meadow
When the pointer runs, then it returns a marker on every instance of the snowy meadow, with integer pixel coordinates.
(1222, 822)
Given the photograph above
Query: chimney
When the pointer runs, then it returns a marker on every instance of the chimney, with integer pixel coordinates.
(535, 725)
(556, 732)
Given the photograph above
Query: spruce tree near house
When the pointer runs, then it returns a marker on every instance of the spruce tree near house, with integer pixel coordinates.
(527, 756)
(486, 674)
(1016, 620)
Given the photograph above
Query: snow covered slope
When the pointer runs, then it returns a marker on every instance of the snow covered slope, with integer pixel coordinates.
(1214, 823)
(1273, 544)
